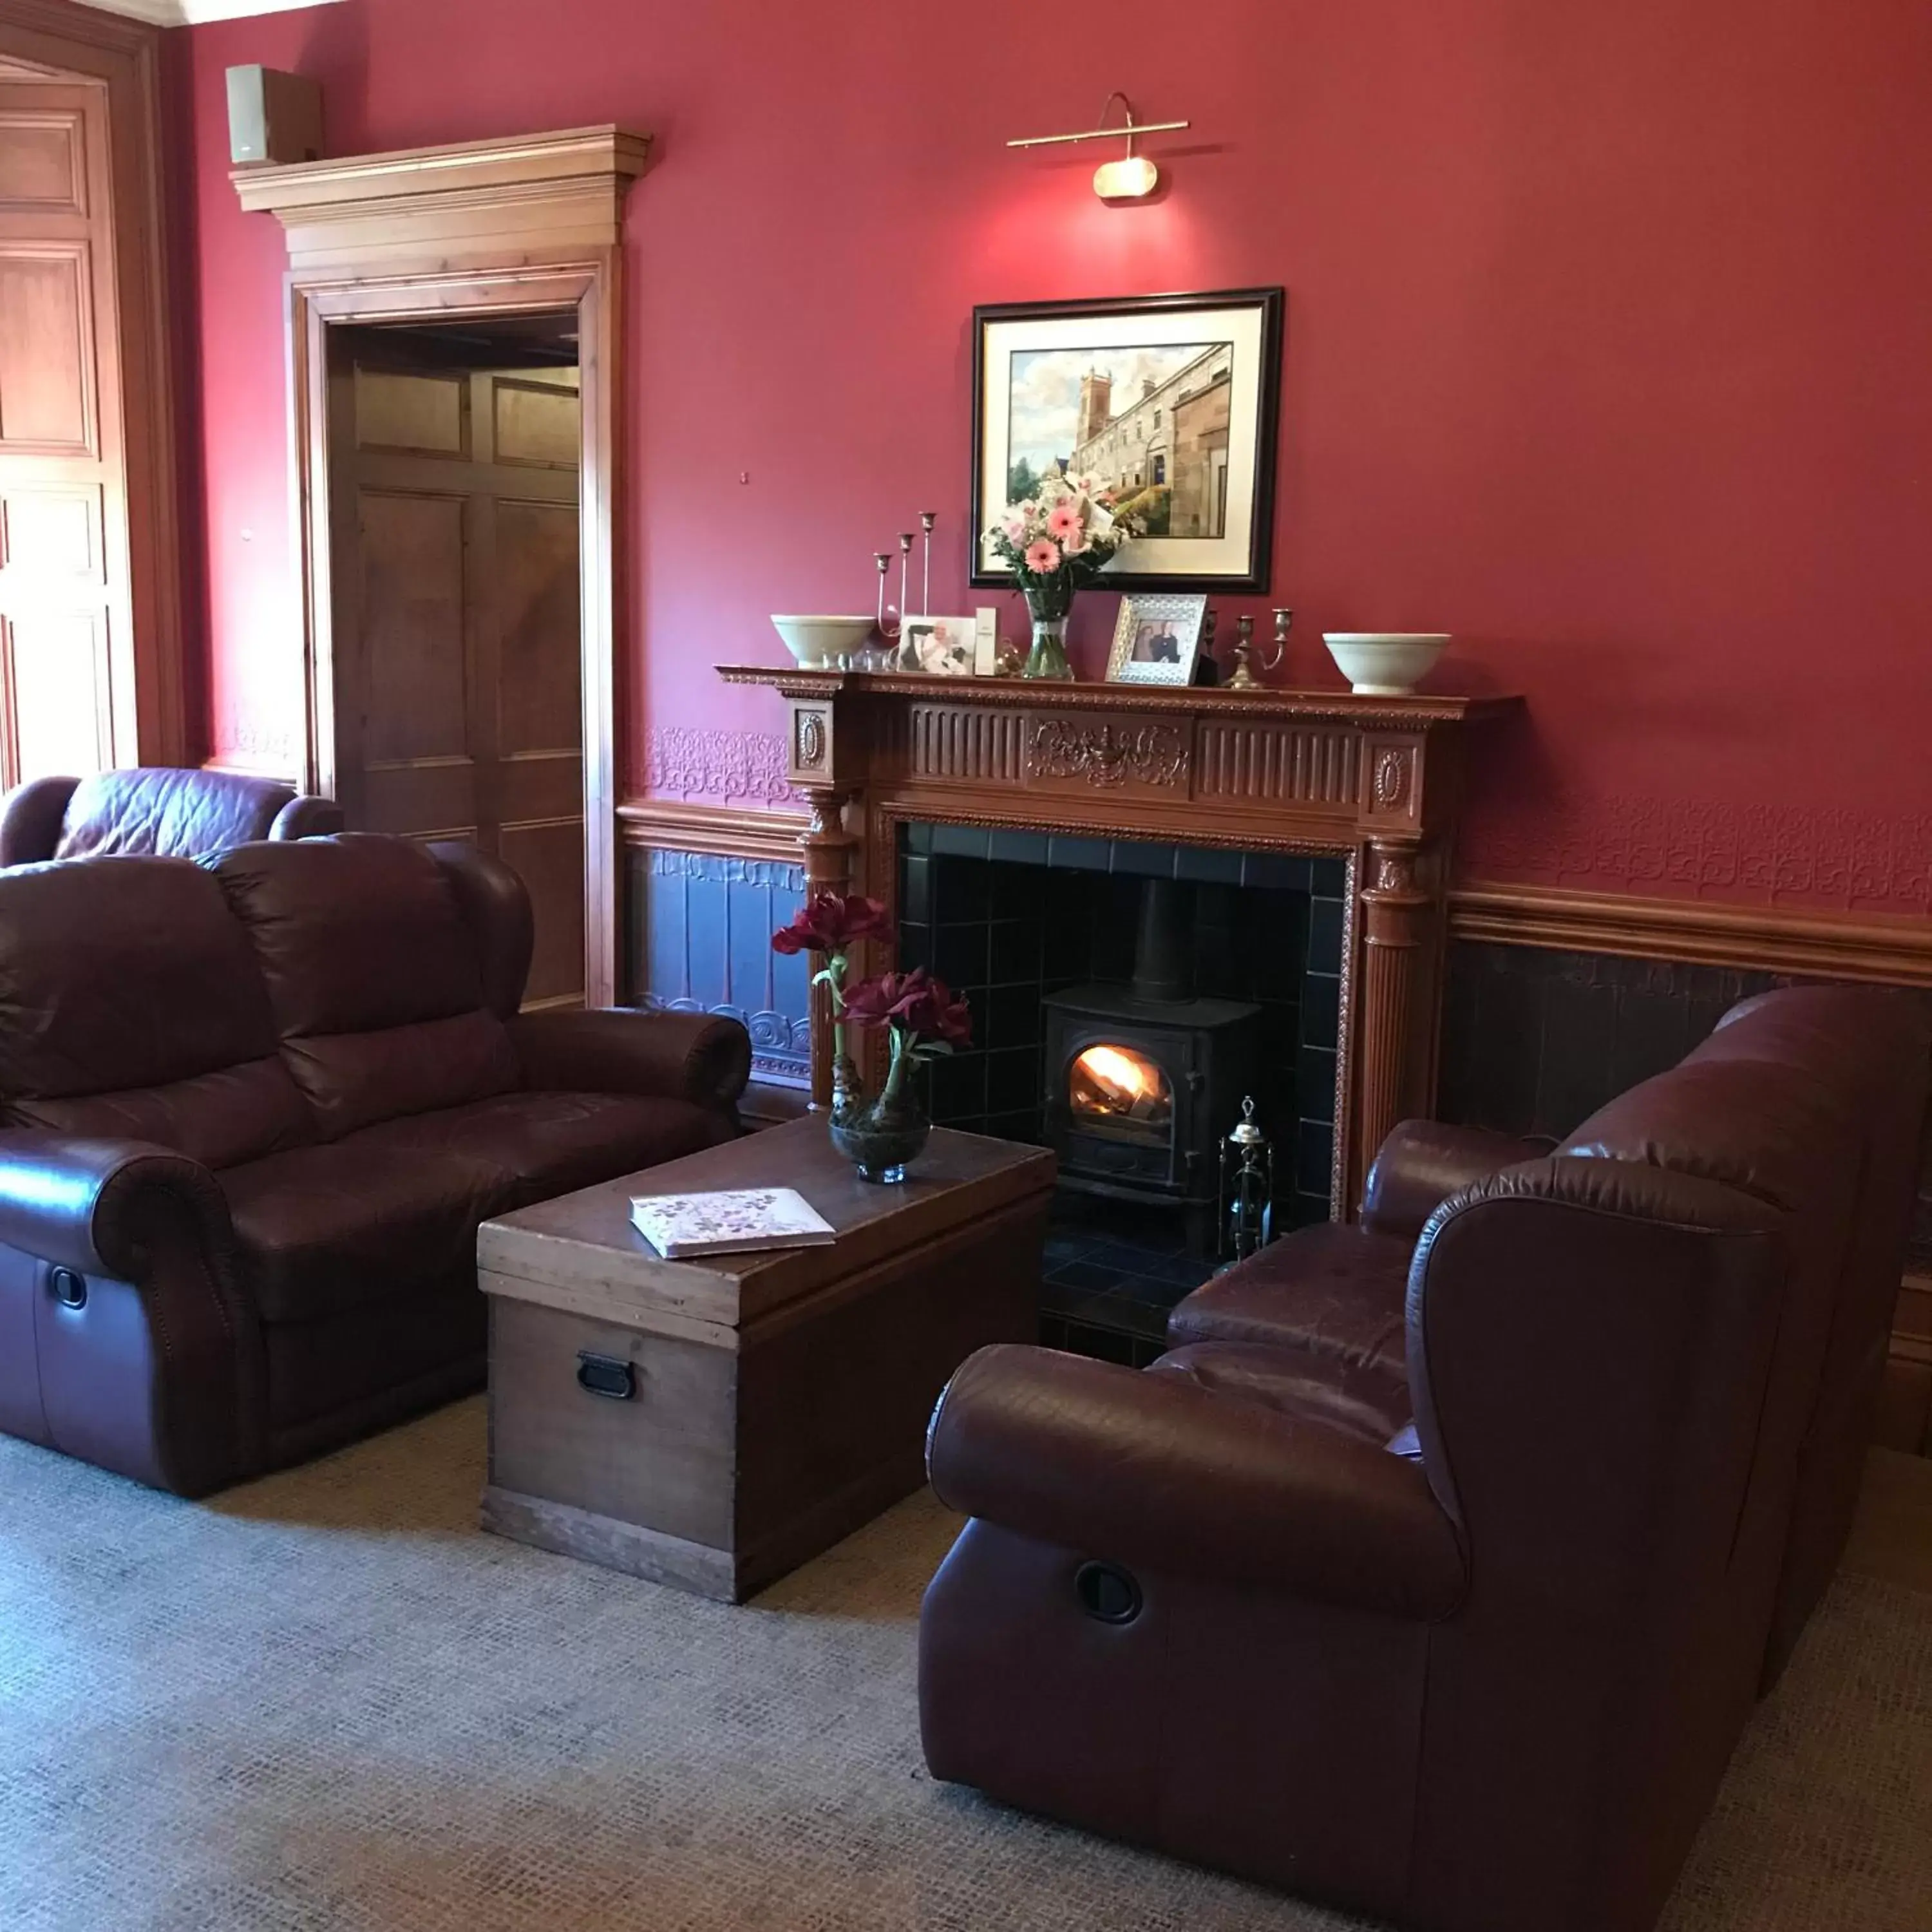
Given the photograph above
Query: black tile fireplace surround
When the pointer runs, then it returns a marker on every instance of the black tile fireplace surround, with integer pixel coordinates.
(1014, 918)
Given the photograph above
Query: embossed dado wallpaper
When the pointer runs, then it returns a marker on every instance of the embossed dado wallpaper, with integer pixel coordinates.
(1605, 352)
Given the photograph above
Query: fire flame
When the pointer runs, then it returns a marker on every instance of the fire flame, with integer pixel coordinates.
(1110, 1083)
(1123, 1077)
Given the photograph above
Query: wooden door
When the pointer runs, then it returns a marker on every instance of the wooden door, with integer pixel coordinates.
(65, 616)
(458, 647)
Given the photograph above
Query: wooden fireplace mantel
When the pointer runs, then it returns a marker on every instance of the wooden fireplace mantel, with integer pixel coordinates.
(1374, 781)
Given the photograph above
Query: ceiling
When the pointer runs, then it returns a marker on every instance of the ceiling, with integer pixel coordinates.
(190, 12)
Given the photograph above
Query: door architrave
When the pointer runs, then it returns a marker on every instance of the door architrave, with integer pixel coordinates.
(530, 225)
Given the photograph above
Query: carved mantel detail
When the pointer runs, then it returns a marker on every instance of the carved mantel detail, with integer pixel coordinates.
(1107, 755)
(1376, 781)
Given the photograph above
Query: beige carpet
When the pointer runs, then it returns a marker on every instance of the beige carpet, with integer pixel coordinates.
(326, 1701)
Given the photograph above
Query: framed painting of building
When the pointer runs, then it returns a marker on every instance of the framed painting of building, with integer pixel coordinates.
(1170, 403)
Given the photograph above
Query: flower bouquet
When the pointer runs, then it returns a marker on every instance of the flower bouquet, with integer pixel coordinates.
(923, 1017)
(1058, 540)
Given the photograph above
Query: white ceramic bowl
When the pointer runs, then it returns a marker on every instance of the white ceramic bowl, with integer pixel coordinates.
(1385, 663)
(818, 642)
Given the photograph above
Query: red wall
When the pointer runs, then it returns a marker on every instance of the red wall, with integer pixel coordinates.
(1607, 351)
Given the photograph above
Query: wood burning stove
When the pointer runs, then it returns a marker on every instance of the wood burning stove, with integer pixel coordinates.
(1142, 1081)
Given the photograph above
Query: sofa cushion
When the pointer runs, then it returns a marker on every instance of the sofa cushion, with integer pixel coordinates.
(131, 1006)
(372, 973)
(1338, 1292)
(394, 1208)
(543, 1144)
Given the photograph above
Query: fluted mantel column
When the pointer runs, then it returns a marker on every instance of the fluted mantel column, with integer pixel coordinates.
(1397, 925)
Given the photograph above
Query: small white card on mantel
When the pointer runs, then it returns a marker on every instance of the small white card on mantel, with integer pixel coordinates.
(682, 1227)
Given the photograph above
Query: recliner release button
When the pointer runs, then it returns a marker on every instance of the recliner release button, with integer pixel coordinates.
(70, 1289)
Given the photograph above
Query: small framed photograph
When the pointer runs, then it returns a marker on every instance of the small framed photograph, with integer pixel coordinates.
(941, 647)
(1157, 641)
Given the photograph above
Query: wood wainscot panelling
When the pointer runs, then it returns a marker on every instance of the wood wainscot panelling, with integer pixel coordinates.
(1557, 1000)
(682, 827)
(1887, 951)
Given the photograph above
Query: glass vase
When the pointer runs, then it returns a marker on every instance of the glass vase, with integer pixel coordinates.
(1047, 604)
(879, 1136)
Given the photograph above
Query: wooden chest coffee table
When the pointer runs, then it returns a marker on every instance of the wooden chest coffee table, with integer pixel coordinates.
(712, 1423)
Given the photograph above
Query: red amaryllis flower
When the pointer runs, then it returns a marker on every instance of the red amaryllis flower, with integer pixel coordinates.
(829, 922)
(926, 1009)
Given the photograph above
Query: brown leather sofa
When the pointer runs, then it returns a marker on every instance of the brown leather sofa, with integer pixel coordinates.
(156, 812)
(251, 1114)
(1437, 1567)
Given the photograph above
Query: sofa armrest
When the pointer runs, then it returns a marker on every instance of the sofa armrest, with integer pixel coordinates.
(1422, 1162)
(90, 1204)
(30, 818)
(696, 1056)
(306, 816)
(1155, 1472)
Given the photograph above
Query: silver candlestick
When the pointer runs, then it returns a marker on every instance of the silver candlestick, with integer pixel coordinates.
(889, 632)
(927, 518)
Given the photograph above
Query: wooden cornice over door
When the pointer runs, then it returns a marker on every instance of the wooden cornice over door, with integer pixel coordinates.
(524, 225)
(551, 194)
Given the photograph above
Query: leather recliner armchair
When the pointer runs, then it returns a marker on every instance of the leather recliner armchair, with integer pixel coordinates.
(1339, 1291)
(154, 812)
(1436, 1572)
(251, 1114)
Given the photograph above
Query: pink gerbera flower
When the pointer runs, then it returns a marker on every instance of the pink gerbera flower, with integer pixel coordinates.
(1063, 520)
(1042, 557)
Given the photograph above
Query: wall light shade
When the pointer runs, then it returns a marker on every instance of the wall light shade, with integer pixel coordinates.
(1126, 180)
(1130, 177)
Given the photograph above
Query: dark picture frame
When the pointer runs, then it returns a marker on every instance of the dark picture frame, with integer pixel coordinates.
(1024, 356)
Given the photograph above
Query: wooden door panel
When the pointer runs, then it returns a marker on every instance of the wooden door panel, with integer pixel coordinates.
(65, 607)
(413, 414)
(548, 856)
(539, 700)
(47, 351)
(540, 784)
(458, 701)
(425, 798)
(415, 700)
(42, 162)
(55, 666)
(50, 533)
(534, 423)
